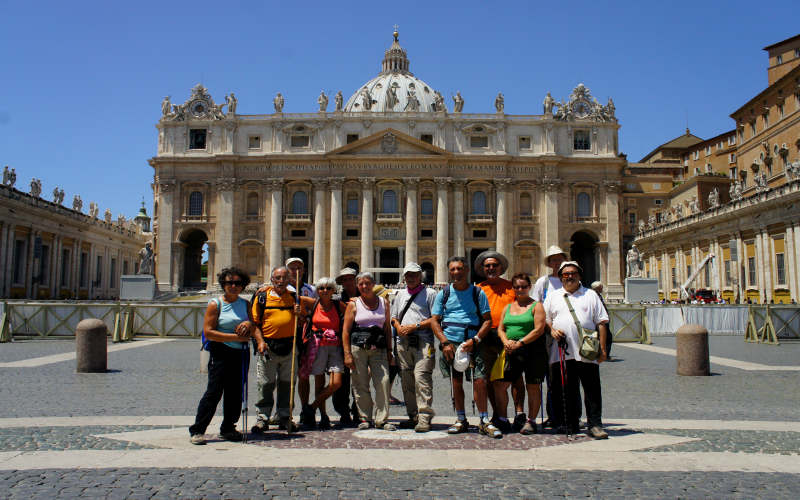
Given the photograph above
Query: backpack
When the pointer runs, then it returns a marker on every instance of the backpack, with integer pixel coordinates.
(475, 294)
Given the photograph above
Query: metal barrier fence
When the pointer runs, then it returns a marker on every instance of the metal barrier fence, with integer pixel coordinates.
(768, 323)
(628, 323)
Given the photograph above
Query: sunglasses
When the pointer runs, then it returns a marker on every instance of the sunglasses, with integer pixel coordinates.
(320, 288)
(569, 274)
(233, 283)
(491, 265)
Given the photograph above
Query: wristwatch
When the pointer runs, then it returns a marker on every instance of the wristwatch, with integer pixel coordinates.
(417, 326)
(476, 339)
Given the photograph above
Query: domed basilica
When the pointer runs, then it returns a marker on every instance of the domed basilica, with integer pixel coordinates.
(394, 173)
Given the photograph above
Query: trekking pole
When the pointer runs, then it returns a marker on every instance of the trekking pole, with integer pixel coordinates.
(472, 380)
(452, 393)
(245, 370)
(290, 424)
(561, 348)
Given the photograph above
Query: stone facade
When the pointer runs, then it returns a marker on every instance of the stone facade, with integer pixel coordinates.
(390, 175)
(49, 251)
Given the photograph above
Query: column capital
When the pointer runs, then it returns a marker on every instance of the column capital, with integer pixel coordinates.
(503, 184)
(274, 183)
(367, 182)
(165, 185)
(612, 186)
(552, 184)
(410, 182)
(319, 183)
(458, 183)
(225, 183)
(442, 182)
(335, 182)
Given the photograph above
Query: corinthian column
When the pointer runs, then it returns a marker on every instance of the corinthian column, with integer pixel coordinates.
(275, 224)
(411, 219)
(615, 289)
(501, 244)
(367, 185)
(336, 225)
(458, 217)
(551, 187)
(442, 237)
(319, 228)
(224, 223)
(166, 196)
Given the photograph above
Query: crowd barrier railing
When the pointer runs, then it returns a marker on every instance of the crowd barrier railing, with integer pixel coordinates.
(770, 322)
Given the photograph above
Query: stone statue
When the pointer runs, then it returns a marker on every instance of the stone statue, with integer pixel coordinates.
(732, 190)
(738, 190)
(412, 103)
(93, 210)
(499, 102)
(634, 263)
(366, 99)
(36, 187)
(232, 102)
(12, 177)
(713, 198)
(651, 221)
(58, 196)
(642, 225)
(668, 217)
(391, 98)
(338, 100)
(611, 109)
(179, 112)
(438, 101)
(165, 106)
(761, 182)
(146, 259)
(458, 102)
(121, 220)
(5, 175)
(322, 100)
(548, 104)
(693, 206)
(107, 215)
(679, 211)
(793, 170)
(77, 203)
(278, 103)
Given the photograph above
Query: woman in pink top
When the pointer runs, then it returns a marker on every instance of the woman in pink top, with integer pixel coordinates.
(365, 338)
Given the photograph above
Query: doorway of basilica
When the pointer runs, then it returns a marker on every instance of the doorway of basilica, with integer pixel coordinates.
(584, 252)
(195, 274)
(388, 257)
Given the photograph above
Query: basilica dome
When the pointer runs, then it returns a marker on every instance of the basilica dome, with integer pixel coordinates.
(395, 88)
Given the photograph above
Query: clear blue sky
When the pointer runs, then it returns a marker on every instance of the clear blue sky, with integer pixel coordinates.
(81, 82)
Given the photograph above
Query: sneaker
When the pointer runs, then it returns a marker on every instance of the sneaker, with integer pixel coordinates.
(260, 426)
(274, 420)
(308, 417)
(364, 425)
(488, 429)
(597, 432)
(459, 427)
(197, 439)
(519, 422)
(231, 435)
(503, 426)
(388, 426)
(324, 423)
(529, 428)
(408, 424)
(287, 424)
(422, 426)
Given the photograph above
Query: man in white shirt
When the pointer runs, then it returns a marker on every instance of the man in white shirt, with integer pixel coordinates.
(553, 259)
(577, 370)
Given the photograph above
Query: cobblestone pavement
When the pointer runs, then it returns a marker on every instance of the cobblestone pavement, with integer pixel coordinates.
(783, 443)
(68, 438)
(374, 484)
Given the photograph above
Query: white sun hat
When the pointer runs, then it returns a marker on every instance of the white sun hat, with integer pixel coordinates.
(461, 359)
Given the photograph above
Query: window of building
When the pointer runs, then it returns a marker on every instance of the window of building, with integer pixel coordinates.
(779, 59)
(581, 140)
(300, 202)
(656, 185)
(19, 261)
(732, 173)
(631, 218)
(796, 53)
(84, 270)
(524, 142)
(708, 150)
(353, 207)
(674, 278)
(300, 141)
(696, 170)
(732, 158)
(197, 138)
(196, 203)
(753, 128)
(426, 233)
(479, 141)
(426, 138)
(479, 202)
(727, 273)
(697, 155)
(479, 233)
(731, 140)
(64, 283)
(765, 117)
(751, 271)
(351, 233)
(252, 204)
(780, 111)
(389, 204)
(298, 233)
(351, 138)
(112, 274)
(780, 270)
(525, 204)
(584, 205)
(426, 206)
(98, 275)
(708, 168)
(254, 142)
(658, 202)
(44, 265)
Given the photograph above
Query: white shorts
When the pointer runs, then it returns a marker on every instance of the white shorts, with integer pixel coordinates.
(329, 359)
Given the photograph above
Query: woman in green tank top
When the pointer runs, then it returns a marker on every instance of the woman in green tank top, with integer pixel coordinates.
(521, 329)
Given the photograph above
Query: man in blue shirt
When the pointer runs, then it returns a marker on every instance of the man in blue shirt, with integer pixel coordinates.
(461, 315)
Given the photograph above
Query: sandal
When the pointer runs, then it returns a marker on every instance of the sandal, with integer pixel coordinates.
(459, 427)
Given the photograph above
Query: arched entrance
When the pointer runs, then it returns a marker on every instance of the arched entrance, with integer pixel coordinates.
(388, 257)
(584, 252)
(427, 273)
(473, 254)
(195, 274)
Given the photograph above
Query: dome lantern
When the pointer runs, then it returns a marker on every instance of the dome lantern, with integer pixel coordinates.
(395, 59)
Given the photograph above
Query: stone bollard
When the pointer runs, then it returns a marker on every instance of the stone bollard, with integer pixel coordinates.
(91, 346)
(692, 345)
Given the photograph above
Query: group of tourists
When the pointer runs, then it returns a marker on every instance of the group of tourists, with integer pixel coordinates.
(500, 335)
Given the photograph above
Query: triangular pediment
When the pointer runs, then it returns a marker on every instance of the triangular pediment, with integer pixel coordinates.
(389, 142)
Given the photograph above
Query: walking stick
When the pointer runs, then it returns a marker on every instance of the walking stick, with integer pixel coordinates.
(245, 370)
(561, 348)
(452, 393)
(290, 423)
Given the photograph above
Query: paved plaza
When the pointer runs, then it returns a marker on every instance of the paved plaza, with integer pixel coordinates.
(123, 434)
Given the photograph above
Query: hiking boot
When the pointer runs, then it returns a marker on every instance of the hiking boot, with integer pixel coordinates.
(488, 429)
(408, 424)
(198, 439)
(503, 426)
(597, 432)
(388, 426)
(519, 422)
(308, 417)
(260, 426)
(274, 420)
(364, 425)
(459, 427)
(324, 423)
(232, 435)
(529, 428)
(287, 424)
(423, 424)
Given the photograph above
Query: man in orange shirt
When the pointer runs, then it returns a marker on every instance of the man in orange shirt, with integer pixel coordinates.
(492, 265)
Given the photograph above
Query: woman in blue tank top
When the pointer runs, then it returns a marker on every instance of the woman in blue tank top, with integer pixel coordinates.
(228, 327)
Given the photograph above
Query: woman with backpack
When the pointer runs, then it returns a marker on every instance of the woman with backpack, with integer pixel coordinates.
(227, 327)
(324, 333)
